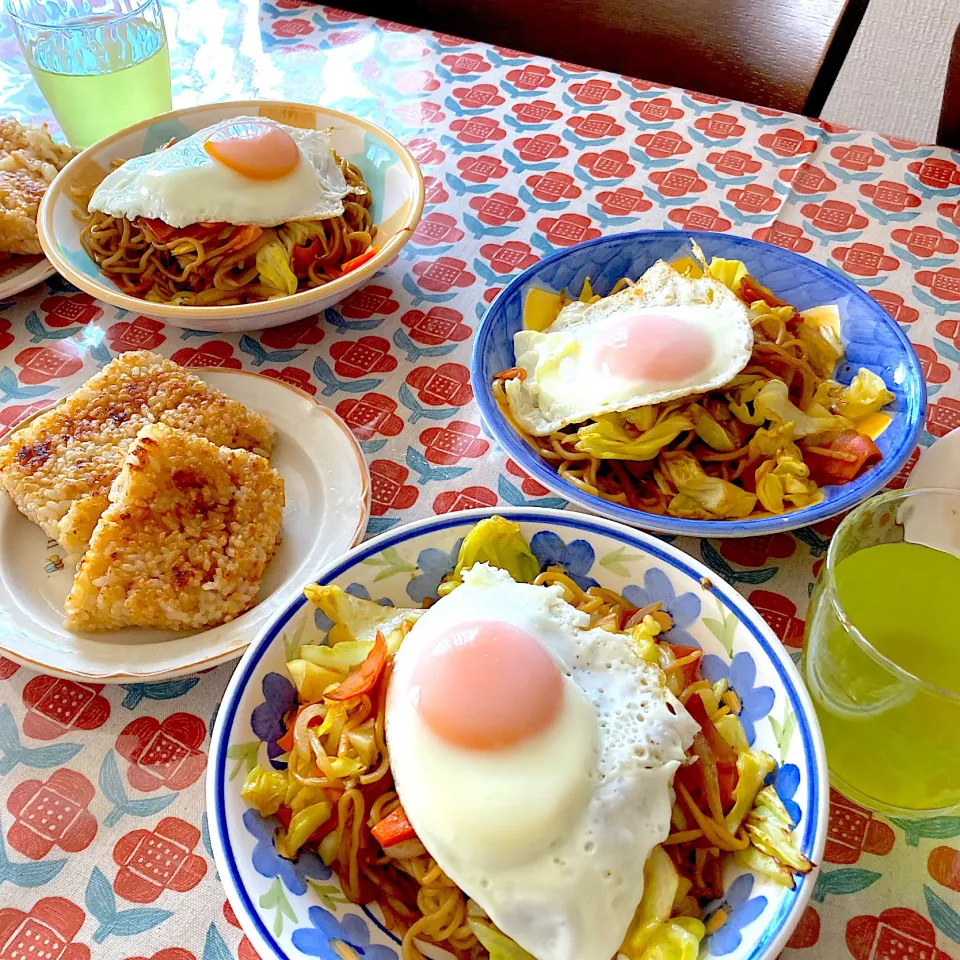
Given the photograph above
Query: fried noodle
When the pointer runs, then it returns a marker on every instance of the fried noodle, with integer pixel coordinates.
(418, 900)
(219, 267)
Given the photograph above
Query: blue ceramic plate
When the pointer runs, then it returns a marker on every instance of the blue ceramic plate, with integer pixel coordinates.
(871, 337)
(291, 911)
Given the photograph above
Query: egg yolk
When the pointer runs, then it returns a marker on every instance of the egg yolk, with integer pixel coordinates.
(487, 685)
(651, 347)
(258, 151)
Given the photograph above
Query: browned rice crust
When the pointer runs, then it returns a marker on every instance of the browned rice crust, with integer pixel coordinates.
(59, 467)
(184, 543)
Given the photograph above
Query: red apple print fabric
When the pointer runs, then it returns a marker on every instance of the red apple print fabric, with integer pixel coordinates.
(102, 786)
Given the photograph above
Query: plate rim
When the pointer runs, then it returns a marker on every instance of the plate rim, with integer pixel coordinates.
(520, 451)
(781, 924)
(233, 312)
(33, 276)
(238, 648)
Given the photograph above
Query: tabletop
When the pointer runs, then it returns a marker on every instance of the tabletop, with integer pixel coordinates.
(521, 156)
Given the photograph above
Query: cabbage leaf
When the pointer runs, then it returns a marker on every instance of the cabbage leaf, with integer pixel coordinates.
(500, 543)
(866, 394)
(608, 439)
(701, 496)
(774, 403)
(273, 265)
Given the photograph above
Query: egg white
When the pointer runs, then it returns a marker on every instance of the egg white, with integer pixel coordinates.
(562, 386)
(182, 184)
(549, 837)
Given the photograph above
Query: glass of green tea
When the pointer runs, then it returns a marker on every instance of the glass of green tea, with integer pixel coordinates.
(100, 64)
(881, 655)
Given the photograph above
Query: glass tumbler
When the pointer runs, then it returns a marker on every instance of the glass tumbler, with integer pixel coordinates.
(881, 654)
(101, 64)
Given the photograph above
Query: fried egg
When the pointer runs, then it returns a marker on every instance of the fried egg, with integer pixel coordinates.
(534, 758)
(241, 171)
(666, 337)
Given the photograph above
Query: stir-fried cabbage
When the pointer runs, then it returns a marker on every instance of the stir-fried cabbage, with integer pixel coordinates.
(824, 347)
(607, 438)
(729, 272)
(752, 769)
(643, 418)
(357, 619)
(303, 825)
(785, 478)
(744, 395)
(701, 496)
(710, 431)
(273, 265)
(652, 935)
(265, 790)
(500, 946)
(500, 543)
(769, 441)
(770, 829)
(642, 636)
(775, 404)
(866, 394)
(311, 680)
(340, 657)
(731, 729)
(297, 232)
(677, 939)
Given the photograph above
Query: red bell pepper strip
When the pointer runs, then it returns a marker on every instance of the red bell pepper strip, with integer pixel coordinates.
(365, 679)
(858, 451)
(394, 828)
(725, 755)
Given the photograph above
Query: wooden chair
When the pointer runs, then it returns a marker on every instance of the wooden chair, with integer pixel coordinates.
(777, 53)
(948, 132)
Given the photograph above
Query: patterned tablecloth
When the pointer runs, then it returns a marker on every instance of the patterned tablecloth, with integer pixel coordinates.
(104, 847)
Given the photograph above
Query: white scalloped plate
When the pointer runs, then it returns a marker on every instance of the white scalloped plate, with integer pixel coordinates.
(404, 567)
(328, 504)
(21, 273)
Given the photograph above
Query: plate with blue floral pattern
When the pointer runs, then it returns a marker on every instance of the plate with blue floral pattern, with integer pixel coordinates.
(871, 338)
(295, 910)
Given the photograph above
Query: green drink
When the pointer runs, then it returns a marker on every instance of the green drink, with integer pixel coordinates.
(882, 659)
(99, 71)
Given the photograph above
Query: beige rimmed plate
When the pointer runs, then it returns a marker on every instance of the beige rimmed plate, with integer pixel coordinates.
(390, 171)
(21, 273)
(328, 505)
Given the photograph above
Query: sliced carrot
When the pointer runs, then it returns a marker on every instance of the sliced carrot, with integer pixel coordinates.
(285, 743)
(691, 670)
(164, 233)
(365, 679)
(243, 236)
(304, 254)
(394, 828)
(367, 254)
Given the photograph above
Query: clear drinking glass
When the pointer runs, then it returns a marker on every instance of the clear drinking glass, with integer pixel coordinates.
(100, 64)
(881, 654)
